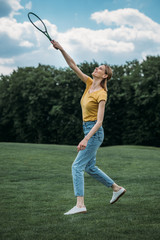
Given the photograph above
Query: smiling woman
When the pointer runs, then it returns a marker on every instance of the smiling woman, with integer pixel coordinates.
(93, 106)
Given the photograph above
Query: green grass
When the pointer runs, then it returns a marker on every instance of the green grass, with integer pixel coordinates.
(36, 189)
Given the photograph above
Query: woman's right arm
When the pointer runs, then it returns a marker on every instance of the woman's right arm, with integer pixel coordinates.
(70, 62)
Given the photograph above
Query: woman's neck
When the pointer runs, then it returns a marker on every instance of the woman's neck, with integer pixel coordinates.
(96, 84)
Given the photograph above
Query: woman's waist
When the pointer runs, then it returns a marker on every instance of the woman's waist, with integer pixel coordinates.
(89, 123)
(87, 126)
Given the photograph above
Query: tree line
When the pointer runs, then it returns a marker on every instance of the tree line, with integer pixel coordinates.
(42, 104)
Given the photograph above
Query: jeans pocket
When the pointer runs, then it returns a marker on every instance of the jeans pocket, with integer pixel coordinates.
(86, 130)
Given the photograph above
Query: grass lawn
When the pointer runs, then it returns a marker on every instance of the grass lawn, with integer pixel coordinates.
(36, 189)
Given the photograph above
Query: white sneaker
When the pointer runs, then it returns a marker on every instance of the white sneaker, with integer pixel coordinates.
(75, 210)
(117, 195)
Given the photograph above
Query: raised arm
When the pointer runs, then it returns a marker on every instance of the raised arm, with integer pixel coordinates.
(70, 62)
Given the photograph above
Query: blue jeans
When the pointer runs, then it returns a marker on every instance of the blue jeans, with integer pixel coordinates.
(86, 160)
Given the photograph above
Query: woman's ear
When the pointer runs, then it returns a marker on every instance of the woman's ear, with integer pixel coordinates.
(105, 76)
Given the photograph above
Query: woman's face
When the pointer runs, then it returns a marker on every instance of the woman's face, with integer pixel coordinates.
(99, 72)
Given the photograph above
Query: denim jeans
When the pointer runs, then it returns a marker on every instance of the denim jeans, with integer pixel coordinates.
(86, 160)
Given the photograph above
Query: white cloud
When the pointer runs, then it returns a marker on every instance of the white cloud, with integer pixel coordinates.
(6, 61)
(26, 44)
(131, 24)
(6, 70)
(9, 8)
(94, 40)
(127, 16)
(25, 33)
(28, 5)
(15, 5)
(6, 65)
(129, 34)
(10, 27)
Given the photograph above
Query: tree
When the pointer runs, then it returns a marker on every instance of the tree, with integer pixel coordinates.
(42, 104)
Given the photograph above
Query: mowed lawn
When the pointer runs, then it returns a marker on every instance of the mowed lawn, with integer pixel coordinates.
(36, 189)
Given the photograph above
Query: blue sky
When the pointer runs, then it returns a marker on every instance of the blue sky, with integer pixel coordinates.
(112, 31)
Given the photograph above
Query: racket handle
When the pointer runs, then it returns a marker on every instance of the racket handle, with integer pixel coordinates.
(53, 45)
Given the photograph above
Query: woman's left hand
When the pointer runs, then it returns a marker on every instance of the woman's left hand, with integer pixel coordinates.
(82, 145)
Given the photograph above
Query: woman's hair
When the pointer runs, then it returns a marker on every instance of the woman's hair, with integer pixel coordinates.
(108, 71)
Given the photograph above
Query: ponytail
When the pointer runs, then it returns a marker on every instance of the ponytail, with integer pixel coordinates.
(108, 71)
(104, 84)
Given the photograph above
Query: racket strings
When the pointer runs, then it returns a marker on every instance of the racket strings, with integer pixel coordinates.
(37, 23)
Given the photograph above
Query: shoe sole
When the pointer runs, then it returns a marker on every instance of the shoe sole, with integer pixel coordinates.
(83, 212)
(75, 213)
(119, 196)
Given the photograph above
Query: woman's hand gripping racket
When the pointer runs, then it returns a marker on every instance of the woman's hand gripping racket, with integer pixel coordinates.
(39, 24)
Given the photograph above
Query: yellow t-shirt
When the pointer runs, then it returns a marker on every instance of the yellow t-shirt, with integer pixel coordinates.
(90, 101)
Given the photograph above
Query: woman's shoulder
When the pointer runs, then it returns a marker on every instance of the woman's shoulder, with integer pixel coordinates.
(89, 81)
(101, 95)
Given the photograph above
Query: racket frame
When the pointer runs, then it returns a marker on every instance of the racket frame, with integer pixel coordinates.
(44, 32)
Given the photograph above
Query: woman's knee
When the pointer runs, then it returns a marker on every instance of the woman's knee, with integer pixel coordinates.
(77, 168)
(90, 169)
(73, 167)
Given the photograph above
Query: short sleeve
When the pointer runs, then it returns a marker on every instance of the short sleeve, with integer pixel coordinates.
(102, 96)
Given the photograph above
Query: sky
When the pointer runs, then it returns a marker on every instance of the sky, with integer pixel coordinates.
(106, 31)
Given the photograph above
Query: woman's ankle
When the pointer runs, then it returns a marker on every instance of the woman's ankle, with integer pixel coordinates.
(115, 187)
(80, 206)
(80, 202)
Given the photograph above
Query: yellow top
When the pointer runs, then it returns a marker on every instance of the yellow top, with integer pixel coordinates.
(90, 101)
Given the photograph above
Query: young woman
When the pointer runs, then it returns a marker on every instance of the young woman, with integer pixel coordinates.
(93, 107)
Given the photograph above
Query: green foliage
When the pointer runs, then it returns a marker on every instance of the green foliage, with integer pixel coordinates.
(42, 104)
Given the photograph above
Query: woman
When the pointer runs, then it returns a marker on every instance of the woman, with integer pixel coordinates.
(93, 107)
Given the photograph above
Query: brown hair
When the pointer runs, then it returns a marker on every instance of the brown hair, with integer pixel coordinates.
(108, 71)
